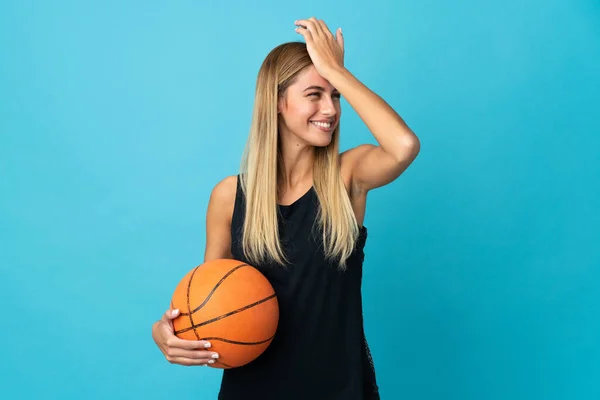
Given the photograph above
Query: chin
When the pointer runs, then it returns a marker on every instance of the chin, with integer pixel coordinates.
(319, 141)
(322, 143)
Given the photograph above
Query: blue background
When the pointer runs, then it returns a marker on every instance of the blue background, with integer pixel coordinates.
(117, 118)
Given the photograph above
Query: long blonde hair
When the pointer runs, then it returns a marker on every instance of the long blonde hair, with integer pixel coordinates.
(262, 166)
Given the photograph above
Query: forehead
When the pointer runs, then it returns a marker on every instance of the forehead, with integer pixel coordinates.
(310, 77)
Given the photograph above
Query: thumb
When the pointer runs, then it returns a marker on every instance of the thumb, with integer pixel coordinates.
(170, 314)
(339, 38)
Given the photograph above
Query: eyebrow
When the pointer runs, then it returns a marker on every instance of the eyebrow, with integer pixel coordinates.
(322, 89)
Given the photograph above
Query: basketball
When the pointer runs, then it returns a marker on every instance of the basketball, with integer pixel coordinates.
(232, 305)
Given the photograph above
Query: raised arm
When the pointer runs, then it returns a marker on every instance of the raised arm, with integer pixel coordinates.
(370, 166)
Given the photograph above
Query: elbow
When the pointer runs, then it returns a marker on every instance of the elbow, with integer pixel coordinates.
(414, 144)
(408, 148)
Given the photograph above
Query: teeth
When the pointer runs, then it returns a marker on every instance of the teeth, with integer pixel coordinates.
(322, 124)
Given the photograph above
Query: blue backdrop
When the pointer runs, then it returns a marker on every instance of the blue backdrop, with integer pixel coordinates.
(117, 118)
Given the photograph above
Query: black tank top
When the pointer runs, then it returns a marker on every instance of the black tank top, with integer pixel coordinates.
(319, 351)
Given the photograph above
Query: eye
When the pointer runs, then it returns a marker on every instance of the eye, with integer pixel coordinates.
(318, 94)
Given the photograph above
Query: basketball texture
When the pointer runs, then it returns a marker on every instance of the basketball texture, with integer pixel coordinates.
(232, 305)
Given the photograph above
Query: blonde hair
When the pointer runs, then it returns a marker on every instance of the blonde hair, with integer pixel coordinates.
(262, 166)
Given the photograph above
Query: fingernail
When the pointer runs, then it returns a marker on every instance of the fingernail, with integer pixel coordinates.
(174, 312)
(341, 31)
(215, 355)
(211, 361)
(206, 344)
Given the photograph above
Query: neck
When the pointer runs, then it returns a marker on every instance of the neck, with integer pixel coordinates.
(297, 168)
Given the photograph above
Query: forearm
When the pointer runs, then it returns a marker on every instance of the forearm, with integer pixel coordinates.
(388, 128)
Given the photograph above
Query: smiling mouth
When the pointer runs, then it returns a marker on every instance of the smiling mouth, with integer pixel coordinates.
(324, 126)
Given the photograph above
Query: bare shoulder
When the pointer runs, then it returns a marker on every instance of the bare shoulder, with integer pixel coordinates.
(218, 219)
(223, 194)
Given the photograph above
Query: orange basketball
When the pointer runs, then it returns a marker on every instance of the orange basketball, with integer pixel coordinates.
(232, 305)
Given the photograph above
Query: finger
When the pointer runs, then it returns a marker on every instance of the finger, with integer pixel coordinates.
(318, 26)
(324, 28)
(340, 38)
(177, 343)
(306, 33)
(309, 25)
(192, 354)
(189, 362)
(170, 315)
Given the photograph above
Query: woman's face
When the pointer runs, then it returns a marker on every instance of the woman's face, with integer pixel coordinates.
(310, 109)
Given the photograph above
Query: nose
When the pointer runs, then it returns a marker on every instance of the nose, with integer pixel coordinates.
(328, 107)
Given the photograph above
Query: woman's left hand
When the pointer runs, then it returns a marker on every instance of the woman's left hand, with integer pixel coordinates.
(325, 50)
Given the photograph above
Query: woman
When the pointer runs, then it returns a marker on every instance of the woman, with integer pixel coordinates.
(296, 213)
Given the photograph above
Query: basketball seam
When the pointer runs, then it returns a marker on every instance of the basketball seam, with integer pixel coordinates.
(237, 342)
(209, 294)
(220, 317)
(222, 363)
(188, 301)
(213, 290)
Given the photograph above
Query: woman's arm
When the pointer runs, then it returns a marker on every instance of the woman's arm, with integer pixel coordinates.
(218, 220)
(375, 166)
(370, 166)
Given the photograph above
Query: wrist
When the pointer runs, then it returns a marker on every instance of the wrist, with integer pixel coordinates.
(338, 70)
(337, 76)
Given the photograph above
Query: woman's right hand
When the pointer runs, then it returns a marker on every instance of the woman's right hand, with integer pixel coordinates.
(180, 351)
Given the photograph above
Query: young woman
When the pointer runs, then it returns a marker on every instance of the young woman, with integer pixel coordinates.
(296, 213)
